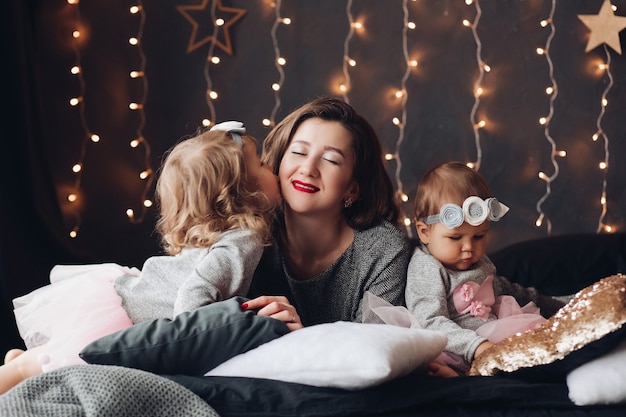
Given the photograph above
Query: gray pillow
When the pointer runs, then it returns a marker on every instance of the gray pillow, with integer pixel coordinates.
(191, 344)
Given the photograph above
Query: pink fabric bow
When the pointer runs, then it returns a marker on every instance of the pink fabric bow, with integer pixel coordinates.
(475, 299)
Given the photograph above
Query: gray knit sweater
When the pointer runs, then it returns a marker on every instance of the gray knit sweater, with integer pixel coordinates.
(170, 285)
(429, 297)
(376, 261)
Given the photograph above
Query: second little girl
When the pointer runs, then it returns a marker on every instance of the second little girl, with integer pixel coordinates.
(452, 286)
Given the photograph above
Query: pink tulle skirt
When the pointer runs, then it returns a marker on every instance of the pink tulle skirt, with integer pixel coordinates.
(79, 306)
(512, 319)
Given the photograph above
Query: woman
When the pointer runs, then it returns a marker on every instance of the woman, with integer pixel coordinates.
(336, 237)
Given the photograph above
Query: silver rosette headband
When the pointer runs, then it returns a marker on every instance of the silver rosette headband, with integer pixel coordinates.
(450, 215)
(474, 212)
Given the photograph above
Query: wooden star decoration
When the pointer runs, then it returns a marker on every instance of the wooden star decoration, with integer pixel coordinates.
(194, 43)
(605, 27)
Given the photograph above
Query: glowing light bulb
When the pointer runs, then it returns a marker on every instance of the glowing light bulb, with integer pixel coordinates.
(77, 168)
(466, 23)
(562, 154)
(407, 221)
(72, 197)
(76, 34)
(75, 69)
(215, 60)
(602, 165)
(135, 9)
(147, 203)
(540, 51)
(212, 94)
(389, 156)
(136, 74)
(144, 174)
(94, 138)
(219, 22)
(539, 220)
(135, 106)
(266, 122)
(605, 102)
(543, 176)
(286, 21)
(276, 87)
(396, 121)
(543, 120)
(133, 41)
(130, 213)
(281, 61)
(206, 122)
(549, 90)
(74, 101)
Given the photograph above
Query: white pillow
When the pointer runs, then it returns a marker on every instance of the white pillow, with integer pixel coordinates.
(600, 381)
(341, 354)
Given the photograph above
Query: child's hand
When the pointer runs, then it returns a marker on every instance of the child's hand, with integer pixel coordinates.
(277, 307)
(438, 369)
(481, 348)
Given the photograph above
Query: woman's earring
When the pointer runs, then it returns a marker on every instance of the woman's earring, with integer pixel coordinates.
(348, 202)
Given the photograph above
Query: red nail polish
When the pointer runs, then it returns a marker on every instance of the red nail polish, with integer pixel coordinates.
(244, 306)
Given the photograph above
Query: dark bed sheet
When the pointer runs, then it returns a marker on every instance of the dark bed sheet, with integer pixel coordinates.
(413, 395)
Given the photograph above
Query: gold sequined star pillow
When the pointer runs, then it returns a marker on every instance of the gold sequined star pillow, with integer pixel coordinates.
(590, 325)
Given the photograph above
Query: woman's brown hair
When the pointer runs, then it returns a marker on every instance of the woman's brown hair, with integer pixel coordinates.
(376, 196)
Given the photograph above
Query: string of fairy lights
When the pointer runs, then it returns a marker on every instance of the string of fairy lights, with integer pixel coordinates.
(279, 63)
(348, 61)
(349, 64)
(403, 95)
(477, 125)
(600, 133)
(79, 102)
(553, 91)
(212, 59)
(145, 174)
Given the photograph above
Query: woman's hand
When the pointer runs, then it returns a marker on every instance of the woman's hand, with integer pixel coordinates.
(276, 307)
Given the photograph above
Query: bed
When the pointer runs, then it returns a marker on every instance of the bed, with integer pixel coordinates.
(555, 265)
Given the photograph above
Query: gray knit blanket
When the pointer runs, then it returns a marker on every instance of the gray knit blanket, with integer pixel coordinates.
(103, 391)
